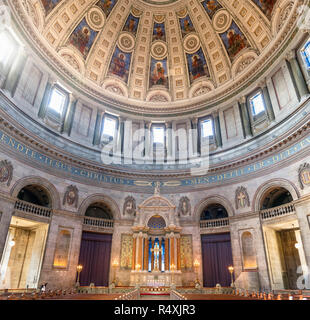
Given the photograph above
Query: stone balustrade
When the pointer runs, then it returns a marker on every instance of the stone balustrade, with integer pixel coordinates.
(33, 209)
(279, 211)
(98, 222)
(216, 223)
(132, 295)
(174, 295)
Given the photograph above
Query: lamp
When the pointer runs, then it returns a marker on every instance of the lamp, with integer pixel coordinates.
(79, 269)
(231, 270)
(196, 266)
(115, 265)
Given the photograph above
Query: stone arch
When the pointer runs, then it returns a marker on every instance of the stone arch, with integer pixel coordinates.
(212, 200)
(36, 180)
(100, 198)
(260, 192)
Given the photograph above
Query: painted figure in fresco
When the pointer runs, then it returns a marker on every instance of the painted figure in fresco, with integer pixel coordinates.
(197, 67)
(158, 75)
(80, 40)
(267, 6)
(236, 42)
(187, 26)
(119, 66)
(49, 5)
(212, 5)
(105, 5)
(159, 34)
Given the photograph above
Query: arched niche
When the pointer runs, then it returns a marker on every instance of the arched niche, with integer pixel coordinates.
(248, 251)
(213, 211)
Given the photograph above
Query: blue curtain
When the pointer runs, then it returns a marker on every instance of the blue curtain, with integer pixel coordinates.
(95, 256)
(216, 258)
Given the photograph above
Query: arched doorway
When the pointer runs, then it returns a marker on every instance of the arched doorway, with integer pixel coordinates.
(282, 238)
(95, 251)
(216, 249)
(25, 244)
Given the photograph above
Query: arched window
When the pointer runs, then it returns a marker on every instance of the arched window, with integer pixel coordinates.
(306, 54)
(36, 195)
(214, 211)
(99, 210)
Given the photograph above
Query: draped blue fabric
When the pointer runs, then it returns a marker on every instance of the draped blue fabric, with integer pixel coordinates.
(216, 258)
(95, 256)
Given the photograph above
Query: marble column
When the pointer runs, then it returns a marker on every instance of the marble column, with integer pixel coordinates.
(133, 264)
(268, 104)
(98, 128)
(7, 209)
(120, 137)
(148, 143)
(167, 253)
(68, 121)
(168, 146)
(160, 254)
(194, 122)
(178, 253)
(172, 251)
(297, 75)
(140, 250)
(217, 129)
(15, 71)
(245, 118)
(152, 254)
(146, 254)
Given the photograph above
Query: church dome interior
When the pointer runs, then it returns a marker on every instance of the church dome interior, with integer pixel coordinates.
(155, 148)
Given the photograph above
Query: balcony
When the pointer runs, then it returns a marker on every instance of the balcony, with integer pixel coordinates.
(216, 223)
(32, 209)
(284, 210)
(98, 223)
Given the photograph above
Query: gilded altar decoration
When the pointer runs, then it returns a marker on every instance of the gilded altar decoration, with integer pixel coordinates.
(6, 172)
(242, 199)
(126, 251)
(129, 206)
(184, 207)
(71, 196)
(186, 252)
(304, 175)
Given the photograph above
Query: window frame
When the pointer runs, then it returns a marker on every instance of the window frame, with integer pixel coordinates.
(306, 57)
(51, 111)
(105, 136)
(162, 127)
(204, 120)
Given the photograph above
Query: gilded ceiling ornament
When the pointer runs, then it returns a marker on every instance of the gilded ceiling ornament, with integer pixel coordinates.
(95, 18)
(159, 49)
(191, 43)
(6, 172)
(221, 21)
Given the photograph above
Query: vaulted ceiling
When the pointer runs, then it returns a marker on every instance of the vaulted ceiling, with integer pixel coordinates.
(154, 51)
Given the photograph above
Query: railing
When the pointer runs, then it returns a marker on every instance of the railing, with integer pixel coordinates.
(132, 295)
(98, 222)
(33, 209)
(283, 210)
(216, 223)
(174, 295)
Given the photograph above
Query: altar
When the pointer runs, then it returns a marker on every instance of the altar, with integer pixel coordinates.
(155, 279)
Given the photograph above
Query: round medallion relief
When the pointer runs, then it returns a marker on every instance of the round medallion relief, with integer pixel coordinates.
(191, 43)
(221, 21)
(95, 18)
(126, 42)
(159, 49)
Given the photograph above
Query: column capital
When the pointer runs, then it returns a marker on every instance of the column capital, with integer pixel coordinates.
(194, 120)
(290, 55)
(122, 119)
(242, 100)
(262, 83)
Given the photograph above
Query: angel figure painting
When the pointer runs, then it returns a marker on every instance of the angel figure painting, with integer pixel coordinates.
(197, 65)
(120, 64)
(266, 6)
(131, 24)
(186, 26)
(211, 6)
(106, 6)
(158, 76)
(83, 38)
(49, 5)
(234, 41)
(159, 32)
